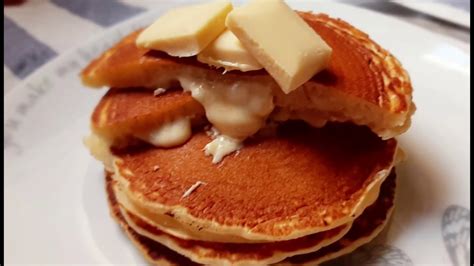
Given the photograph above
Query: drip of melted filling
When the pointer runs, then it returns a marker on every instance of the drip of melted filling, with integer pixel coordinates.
(170, 134)
(221, 146)
(236, 109)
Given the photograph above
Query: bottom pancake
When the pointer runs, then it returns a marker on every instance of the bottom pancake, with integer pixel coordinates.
(206, 252)
(154, 252)
(218, 253)
(364, 229)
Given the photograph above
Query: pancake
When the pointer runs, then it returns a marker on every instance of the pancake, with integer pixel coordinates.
(123, 117)
(126, 112)
(363, 83)
(154, 252)
(167, 224)
(364, 229)
(236, 253)
(307, 179)
(299, 182)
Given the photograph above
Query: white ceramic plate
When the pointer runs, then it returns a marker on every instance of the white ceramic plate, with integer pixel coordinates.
(55, 204)
(440, 10)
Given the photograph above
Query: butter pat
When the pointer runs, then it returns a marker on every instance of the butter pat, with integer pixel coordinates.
(227, 51)
(280, 40)
(186, 31)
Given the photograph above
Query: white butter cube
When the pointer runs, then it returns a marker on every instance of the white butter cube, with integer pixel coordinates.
(228, 52)
(186, 31)
(280, 40)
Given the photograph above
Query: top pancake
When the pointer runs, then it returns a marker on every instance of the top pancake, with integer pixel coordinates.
(358, 66)
(360, 73)
(301, 181)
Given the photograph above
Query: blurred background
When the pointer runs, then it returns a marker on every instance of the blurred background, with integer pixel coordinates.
(37, 31)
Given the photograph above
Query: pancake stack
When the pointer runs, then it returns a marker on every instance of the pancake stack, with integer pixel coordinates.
(317, 182)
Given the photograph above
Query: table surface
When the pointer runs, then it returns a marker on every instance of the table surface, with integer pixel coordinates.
(37, 31)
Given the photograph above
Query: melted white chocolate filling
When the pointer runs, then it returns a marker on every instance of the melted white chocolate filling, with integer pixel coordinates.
(221, 146)
(170, 134)
(236, 109)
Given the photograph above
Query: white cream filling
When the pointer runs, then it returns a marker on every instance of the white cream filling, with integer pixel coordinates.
(99, 147)
(170, 134)
(221, 146)
(236, 109)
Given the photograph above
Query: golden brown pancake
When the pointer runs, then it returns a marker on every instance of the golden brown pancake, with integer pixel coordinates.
(363, 83)
(154, 252)
(125, 112)
(288, 194)
(206, 252)
(125, 65)
(364, 228)
(301, 181)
